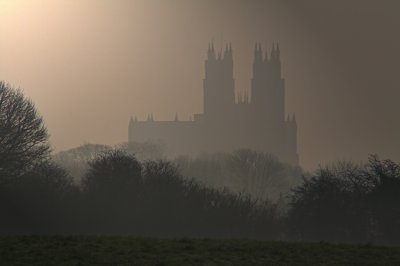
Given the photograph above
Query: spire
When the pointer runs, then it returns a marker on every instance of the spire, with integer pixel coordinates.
(176, 117)
(211, 52)
(257, 53)
(273, 52)
(150, 117)
(278, 51)
(131, 121)
(266, 55)
(228, 52)
(260, 50)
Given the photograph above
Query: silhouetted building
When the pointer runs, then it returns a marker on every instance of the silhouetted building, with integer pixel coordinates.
(230, 121)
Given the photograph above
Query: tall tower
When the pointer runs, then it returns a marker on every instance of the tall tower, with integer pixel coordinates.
(258, 81)
(219, 85)
(268, 86)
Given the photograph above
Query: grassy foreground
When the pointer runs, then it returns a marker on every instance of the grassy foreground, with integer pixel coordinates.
(37, 250)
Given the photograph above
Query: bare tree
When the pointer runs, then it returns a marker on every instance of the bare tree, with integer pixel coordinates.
(23, 136)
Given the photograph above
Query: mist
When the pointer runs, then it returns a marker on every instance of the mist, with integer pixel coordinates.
(89, 66)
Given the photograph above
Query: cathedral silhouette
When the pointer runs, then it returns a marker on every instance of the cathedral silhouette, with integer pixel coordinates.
(229, 121)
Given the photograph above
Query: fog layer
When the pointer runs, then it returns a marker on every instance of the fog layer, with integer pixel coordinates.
(89, 66)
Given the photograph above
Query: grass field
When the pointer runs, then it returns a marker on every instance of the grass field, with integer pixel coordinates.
(37, 250)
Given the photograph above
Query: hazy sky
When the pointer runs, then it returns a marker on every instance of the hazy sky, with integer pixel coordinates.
(89, 65)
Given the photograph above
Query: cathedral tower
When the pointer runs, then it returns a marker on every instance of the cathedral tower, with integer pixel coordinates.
(219, 85)
(268, 86)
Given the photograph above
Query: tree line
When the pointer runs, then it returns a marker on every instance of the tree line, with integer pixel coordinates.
(120, 194)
